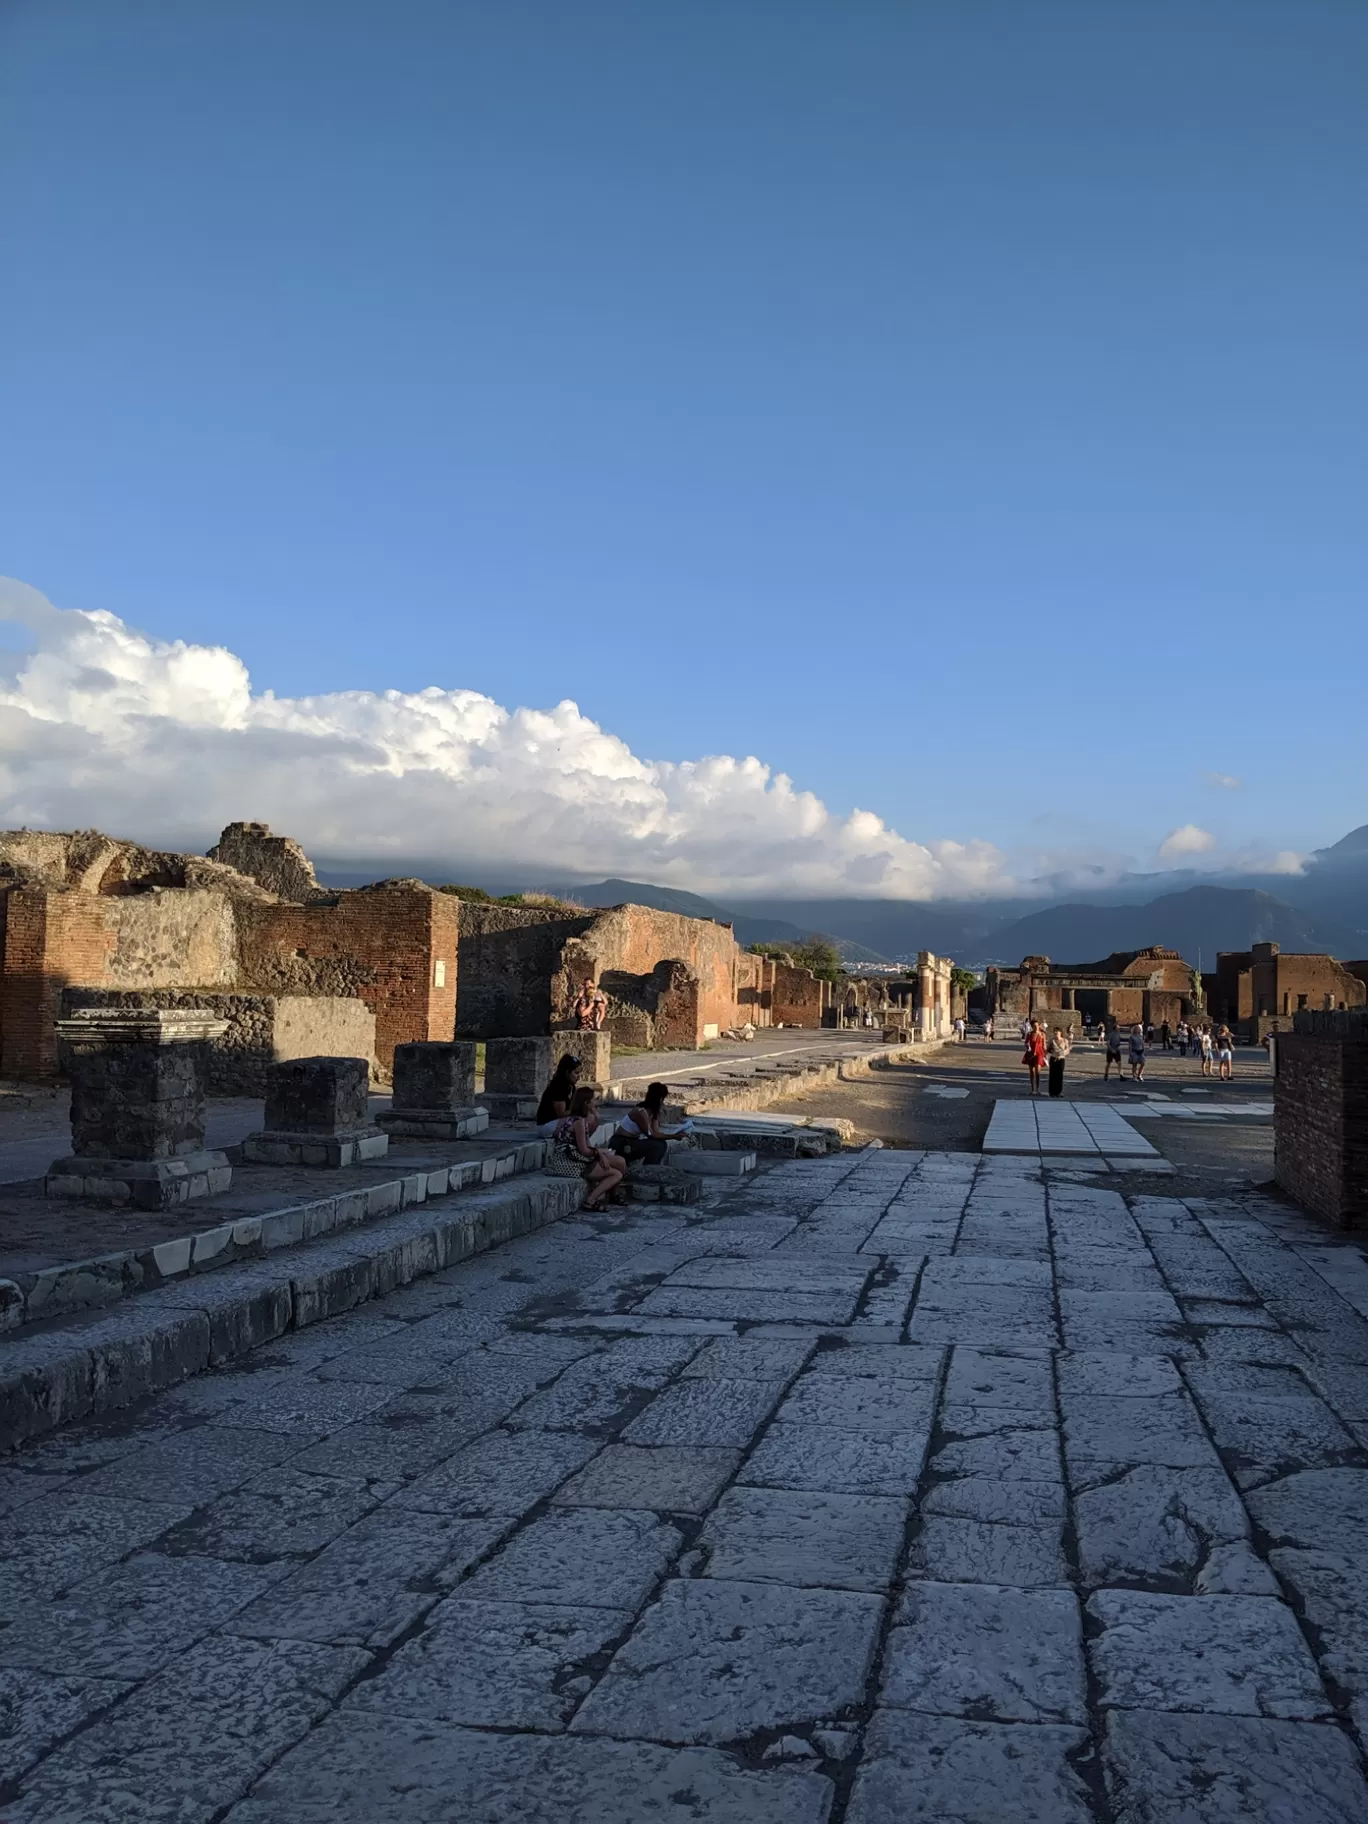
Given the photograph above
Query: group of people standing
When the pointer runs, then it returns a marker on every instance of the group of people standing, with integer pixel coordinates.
(568, 1116)
(1216, 1050)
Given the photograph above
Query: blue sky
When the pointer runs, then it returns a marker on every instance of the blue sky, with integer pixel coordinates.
(961, 406)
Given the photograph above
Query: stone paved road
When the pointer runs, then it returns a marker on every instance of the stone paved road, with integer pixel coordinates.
(889, 1488)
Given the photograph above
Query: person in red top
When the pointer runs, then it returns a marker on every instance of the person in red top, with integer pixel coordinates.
(1034, 1055)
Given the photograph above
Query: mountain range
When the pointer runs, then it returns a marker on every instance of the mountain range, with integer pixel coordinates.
(1325, 908)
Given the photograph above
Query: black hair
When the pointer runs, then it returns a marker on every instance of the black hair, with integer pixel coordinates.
(654, 1099)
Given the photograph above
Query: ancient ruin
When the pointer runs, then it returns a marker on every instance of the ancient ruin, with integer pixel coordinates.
(294, 969)
(1262, 990)
(1150, 985)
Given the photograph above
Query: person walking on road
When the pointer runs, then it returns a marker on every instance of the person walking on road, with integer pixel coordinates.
(1059, 1049)
(1033, 1057)
(1225, 1053)
(1166, 1036)
(959, 1031)
(1113, 1053)
(1137, 1053)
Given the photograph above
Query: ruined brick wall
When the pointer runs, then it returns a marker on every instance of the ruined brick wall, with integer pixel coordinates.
(394, 946)
(1306, 983)
(276, 863)
(60, 939)
(634, 939)
(262, 1029)
(797, 998)
(509, 958)
(1320, 1123)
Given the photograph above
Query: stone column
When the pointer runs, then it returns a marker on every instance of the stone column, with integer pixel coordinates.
(138, 1108)
(317, 1113)
(434, 1093)
(926, 996)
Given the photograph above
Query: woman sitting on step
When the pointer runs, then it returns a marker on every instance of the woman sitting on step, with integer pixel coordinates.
(555, 1102)
(574, 1155)
(639, 1133)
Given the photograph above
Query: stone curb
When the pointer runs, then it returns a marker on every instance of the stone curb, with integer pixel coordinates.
(759, 1093)
(104, 1279)
(97, 1364)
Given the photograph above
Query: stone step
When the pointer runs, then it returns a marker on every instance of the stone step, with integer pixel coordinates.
(228, 1240)
(102, 1360)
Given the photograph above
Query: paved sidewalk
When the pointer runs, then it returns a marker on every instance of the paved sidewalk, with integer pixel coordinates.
(882, 1489)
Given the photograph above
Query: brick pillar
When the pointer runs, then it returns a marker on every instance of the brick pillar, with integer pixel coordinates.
(1320, 1116)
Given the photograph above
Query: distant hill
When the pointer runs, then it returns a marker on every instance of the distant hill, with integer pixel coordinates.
(1198, 923)
(750, 929)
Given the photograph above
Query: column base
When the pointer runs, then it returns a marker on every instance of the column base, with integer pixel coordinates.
(147, 1184)
(353, 1146)
(435, 1124)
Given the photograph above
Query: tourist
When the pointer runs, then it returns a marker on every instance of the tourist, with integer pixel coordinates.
(1060, 1047)
(1137, 1053)
(639, 1133)
(574, 1155)
(555, 1101)
(1033, 1057)
(591, 1009)
(988, 1029)
(1182, 1038)
(1113, 1053)
(1225, 1052)
(1166, 1036)
(1206, 1048)
(959, 1030)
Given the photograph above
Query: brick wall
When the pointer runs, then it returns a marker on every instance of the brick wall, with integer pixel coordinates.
(509, 956)
(1320, 1122)
(382, 944)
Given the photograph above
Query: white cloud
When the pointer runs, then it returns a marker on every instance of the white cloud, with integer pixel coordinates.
(1226, 781)
(1187, 839)
(1286, 861)
(102, 726)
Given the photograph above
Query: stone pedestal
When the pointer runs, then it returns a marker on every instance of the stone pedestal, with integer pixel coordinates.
(317, 1113)
(593, 1049)
(516, 1073)
(434, 1093)
(137, 1108)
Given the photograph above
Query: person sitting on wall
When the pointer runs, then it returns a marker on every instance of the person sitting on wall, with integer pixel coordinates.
(591, 1009)
(574, 1155)
(639, 1133)
(555, 1102)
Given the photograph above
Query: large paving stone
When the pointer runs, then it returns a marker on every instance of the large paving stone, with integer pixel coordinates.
(501, 1665)
(357, 1769)
(1231, 1655)
(1317, 1509)
(952, 1770)
(663, 1478)
(1332, 1594)
(583, 1557)
(1265, 1435)
(192, 1739)
(1012, 1451)
(127, 1620)
(765, 1273)
(63, 1536)
(992, 1654)
(971, 1551)
(991, 1377)
(1167, 1769)
(197, 1465)
(744, 1358)
(717, 1662)
(505, 1472)
(289, 1400)
(703, 1412)
(1109, 1374)
(1166, 1432)
(602, 1394)
(282, 1514)
(765, 1305)
(885, 1405)
(814, 1539)
(1014, 1502)
(38, 1708)
(373, 1581)
(897, 1361)
(825, 1457)
(1155, 1526)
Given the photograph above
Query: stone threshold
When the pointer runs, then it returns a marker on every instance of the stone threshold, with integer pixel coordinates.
(97, 1363)
(70, 1287)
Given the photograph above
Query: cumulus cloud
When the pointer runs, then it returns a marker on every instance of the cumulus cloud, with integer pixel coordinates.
(1227, 782)
(1187, 839)
(102, 726)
